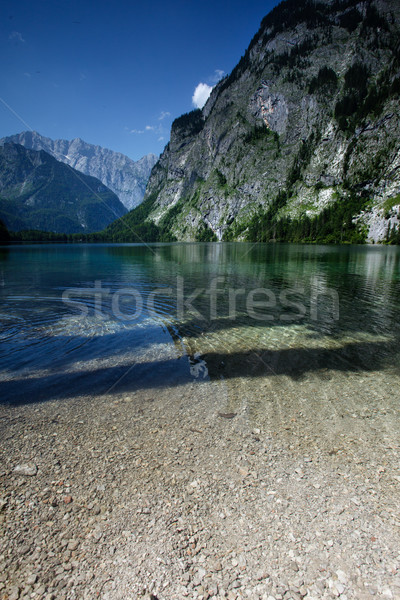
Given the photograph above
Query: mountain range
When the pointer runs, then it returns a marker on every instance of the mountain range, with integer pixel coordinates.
(125, 177)
(39, 192)
(301, 141)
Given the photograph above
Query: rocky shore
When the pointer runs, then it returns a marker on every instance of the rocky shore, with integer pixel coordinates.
(178, 493)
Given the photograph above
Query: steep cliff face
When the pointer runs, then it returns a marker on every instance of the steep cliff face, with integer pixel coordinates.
(39, 192)
(125, 177)
(306, 122)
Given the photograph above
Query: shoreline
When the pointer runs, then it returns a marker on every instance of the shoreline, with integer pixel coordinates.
(164, 492)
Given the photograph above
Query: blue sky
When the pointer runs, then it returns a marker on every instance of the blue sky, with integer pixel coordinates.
(115, 73)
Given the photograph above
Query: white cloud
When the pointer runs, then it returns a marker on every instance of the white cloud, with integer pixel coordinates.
(201, 95)
(137, 130)
(164, 114)
(17, 36)
(150, 128)
(160, 139)
(218, 75)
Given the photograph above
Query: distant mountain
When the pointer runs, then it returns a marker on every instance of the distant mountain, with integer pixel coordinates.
(300, 142)
(125, 177)
(39, 192)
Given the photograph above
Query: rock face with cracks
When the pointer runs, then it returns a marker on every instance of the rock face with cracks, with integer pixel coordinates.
(311, 111)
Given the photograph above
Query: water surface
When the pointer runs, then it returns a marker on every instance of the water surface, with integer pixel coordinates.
(267, 320)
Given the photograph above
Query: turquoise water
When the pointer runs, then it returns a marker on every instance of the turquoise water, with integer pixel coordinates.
(97, 319)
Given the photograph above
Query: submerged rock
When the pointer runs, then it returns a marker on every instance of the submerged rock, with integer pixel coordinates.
(27, 469)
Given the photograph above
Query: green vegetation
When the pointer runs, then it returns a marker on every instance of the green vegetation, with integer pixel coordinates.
(302, 159)
(393, 235)
(390, 202)
(350, 19)
(205, 234)
(333, 225)
(289, 14)
(362, 97)
(168, 221)
(284, 16)
(374, 20)
(4, 233)
(261, 132)
(355, 91)
(221, 179)
(324, 83)
(295, 58)
(191, 122)
(39, 192)
(133, 226)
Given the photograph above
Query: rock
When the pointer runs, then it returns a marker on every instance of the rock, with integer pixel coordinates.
(243, 471)
(73, 544)
(26, 469)
(14, 593)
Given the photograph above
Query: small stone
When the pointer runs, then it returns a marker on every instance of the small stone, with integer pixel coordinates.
(68, 499)
(14, 593)
(27, 469)
(341, 575)
(339, 587)
(31, 579)
(73, 544)
(242, 561)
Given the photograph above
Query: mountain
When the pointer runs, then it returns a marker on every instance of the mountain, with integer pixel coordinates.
(301, 141)
(39, 192)
(125, 177)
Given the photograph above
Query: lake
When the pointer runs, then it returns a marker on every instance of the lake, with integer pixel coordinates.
(293, 327)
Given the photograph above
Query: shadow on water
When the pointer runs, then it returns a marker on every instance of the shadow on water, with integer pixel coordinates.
(294, 363)
(366, 281)
(67, 350)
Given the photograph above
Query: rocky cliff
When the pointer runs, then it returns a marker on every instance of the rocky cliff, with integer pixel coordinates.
(39, 192)
(125, 177)
(303, 134)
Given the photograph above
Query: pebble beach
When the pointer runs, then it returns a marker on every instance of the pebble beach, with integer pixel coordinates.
(189, 492)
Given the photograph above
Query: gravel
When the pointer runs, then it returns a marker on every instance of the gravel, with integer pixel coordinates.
(154, 495)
